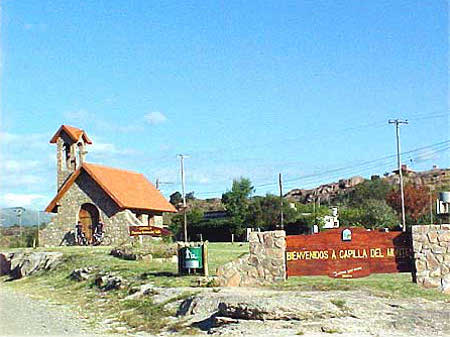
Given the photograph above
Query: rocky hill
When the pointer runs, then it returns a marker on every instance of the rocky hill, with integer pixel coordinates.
(329, 192)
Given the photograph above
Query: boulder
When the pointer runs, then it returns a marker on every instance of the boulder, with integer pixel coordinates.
(20, 264)
(123, 254)
(109, 282)
(81, 274)
(5, 264)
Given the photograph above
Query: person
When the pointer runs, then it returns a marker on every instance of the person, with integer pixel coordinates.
(100, 227)
(78, 232)
(98, 232)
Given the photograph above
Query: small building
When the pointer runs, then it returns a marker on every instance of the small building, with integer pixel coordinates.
(89, 193)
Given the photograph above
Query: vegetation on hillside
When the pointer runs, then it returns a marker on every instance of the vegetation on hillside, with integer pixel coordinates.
(373, 204)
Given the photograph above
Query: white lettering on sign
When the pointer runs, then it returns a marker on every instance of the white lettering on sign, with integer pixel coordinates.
(190, 255)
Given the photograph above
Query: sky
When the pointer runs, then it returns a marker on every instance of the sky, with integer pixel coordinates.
(245, 88)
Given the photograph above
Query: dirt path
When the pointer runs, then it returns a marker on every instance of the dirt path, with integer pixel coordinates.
(24, 316)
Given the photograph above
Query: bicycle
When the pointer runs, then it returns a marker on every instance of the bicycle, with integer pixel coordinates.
(100, 238)
(82, 240)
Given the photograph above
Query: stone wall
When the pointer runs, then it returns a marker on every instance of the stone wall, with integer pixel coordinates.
(431, 244)
(265, 263)
(61, 231)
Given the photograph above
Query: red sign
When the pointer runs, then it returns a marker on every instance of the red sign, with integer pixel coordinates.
(149, 230)
(348, 253)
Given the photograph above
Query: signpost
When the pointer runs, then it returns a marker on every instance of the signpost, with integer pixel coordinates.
(348, 253)
(149, 230)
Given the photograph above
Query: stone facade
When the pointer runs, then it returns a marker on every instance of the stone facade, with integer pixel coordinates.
(431, 244)
(61, 231)
(265, 263)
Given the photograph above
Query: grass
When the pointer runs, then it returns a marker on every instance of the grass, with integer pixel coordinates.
(96, 306)
(339, 303)
(397, 285)
(144, 314)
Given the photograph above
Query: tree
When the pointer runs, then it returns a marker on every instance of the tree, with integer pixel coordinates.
(236, 203)
(264, 212)
(176, 198)
(375, 189)
(378, 214)
(190, 196)
(194, 217)
(416, 202)
(372, 213)
(351, 216)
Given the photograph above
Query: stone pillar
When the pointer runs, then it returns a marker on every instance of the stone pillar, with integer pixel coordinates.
(144, 219)
(266, 262)
(431, 245)
(62, 166)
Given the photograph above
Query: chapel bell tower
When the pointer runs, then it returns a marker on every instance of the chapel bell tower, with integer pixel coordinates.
(70, 151)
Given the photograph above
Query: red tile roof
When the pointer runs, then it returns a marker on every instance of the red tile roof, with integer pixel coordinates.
(73, 132)
(128, 189)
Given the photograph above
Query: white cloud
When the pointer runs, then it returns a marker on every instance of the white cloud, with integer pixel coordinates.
(13, 179)
(12, 165)
(16, 199)
(108, 150)
(35, 27)
(32, 140)
(77, 117)
(155, 117)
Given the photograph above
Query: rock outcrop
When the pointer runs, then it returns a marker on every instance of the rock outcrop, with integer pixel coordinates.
(329, 192)
(325, 192)
(20, 264)
(263, 312)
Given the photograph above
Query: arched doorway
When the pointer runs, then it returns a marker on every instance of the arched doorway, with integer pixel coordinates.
(88, 216)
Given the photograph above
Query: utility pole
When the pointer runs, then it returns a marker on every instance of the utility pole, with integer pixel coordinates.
(182, 156)
(280, 183)
(38, 227)
(19, 220)
(397, 122)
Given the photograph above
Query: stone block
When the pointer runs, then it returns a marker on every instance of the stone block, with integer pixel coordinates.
(436, 249)
(280, 243)
(431, 282)
(420, 229)
(419, 237)
(446, 288)
(253, 237)
(433, 237)
(444, 237)
(435, 273)
(268, 240)
(234, 280)
(417, 246)
(420, 266)
(279, 234)
(432, 262)
(446, 257)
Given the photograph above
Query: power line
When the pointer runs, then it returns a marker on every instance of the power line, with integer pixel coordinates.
(220, 151)
(371, 164)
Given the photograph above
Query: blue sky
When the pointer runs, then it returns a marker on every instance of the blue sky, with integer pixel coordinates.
(245, 88)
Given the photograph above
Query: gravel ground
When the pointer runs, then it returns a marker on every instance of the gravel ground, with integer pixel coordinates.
(24, 316)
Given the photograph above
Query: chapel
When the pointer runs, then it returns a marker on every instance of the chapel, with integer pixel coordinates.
(88, 193)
